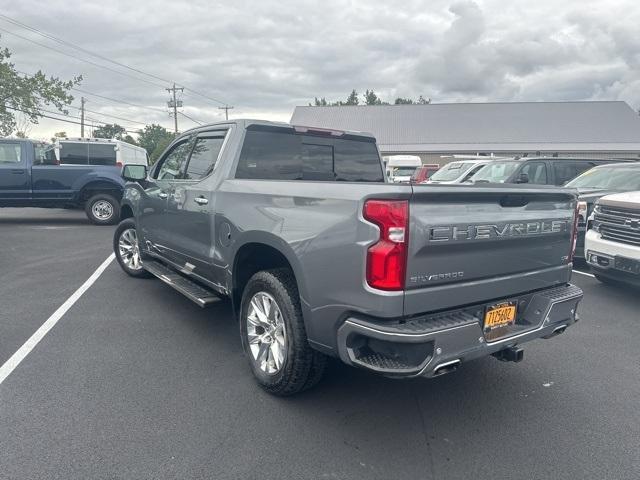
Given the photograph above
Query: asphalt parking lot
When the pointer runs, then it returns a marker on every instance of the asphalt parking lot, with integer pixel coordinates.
(137, 382)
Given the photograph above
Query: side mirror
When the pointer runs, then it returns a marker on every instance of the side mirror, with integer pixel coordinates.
(134, 173)
(523, 178)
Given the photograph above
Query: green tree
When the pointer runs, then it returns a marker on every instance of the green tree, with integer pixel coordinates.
(423, 101)
(352, 99)
(130, 139)
(58, 135)
(109, 130)
(29, 94)
(403, 101)
(160, 147)
(370, 98)
(152, 135)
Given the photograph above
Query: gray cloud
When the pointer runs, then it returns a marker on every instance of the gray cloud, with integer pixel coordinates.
(266, 57)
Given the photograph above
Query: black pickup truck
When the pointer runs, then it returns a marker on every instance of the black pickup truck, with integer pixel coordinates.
(31, 177)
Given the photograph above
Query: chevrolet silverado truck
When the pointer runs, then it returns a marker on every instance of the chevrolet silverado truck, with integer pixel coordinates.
(30, 176)
(320, 256)
(612, 245)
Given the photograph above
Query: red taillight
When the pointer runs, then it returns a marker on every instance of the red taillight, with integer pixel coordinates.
(387, 258)
(574, 233)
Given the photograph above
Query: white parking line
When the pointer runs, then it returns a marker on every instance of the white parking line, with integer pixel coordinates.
(585, 273)
(15, 360)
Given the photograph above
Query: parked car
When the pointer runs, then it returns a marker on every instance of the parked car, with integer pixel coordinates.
(31, 177)
(98, 151)
(598, 182)
(612, 244)
(424, 172)
(538, 170)
(321, 256)
(459, 171)
(400, 168)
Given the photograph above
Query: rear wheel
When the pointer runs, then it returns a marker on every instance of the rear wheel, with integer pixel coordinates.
(127, 250)
(102, 209)
(274, 337)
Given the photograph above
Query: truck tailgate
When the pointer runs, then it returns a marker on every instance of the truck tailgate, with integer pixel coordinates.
(470, 244)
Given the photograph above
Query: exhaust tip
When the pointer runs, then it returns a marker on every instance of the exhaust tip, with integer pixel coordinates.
(446, 367)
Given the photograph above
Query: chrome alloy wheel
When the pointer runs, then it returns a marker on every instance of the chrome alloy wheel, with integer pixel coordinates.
(102, 210)
(266, 333)
(129, 250)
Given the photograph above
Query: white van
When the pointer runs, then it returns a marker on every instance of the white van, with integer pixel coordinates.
(98, 151)
(400, 167)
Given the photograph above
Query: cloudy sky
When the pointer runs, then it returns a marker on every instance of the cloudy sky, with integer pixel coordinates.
(265, 57)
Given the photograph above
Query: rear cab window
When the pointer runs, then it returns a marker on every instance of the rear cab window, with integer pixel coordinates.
(273, 153)
(87, 153)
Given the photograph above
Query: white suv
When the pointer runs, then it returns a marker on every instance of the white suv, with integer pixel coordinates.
(612, 245)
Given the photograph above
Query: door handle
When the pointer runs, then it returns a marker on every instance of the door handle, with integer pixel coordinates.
(17, 171)
(201, 200)
(163, 195)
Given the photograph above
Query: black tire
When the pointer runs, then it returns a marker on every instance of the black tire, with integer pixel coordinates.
(127, 225)
(303, 367)
(109, 204)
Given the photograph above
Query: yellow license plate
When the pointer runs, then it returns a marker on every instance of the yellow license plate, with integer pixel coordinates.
(500, 315)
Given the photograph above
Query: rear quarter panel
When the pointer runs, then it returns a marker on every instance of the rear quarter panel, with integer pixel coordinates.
(319, 227)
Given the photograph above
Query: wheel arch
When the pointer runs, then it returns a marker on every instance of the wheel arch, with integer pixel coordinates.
(263, 252)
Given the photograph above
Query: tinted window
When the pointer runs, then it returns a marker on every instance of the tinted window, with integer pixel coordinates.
(317, 162)
(451, 171)
(74, 153)
(537, 172)
(173, 162)
(288, 156)
(203, 157)
(10, 153)
(102, 154)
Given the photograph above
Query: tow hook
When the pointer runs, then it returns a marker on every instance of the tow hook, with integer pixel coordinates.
(511, 354)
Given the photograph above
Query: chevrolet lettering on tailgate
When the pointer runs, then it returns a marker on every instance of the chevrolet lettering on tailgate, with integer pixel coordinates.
(496, 230)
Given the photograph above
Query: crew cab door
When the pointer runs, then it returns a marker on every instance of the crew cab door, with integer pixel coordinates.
(190, 210)
(14, 173)
(152, 220)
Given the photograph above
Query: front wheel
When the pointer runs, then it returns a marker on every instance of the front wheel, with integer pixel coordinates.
(274, 337)
(127, 250)
(102, 209)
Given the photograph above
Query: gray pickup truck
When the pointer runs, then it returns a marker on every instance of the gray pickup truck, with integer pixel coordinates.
(320, 256)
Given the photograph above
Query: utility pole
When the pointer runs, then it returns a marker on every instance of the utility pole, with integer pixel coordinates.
(82, 102)
(175, 103)
(226, 109)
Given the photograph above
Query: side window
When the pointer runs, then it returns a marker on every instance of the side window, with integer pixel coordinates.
(74, 153)
(472, 172)
(10, 153)
(173, 161)
(537, 172)
(204, 156)
(102, 154)
(317, 162)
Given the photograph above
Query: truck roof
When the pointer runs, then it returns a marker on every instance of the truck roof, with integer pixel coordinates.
(247, 122)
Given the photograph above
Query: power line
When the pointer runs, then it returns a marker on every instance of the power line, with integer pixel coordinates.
(115, 100)
(118, 101)
(102, 57)
(226, 109)
(81, 59)
(108, 115)
(77, 47)
(192, 119)
(59, 119)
